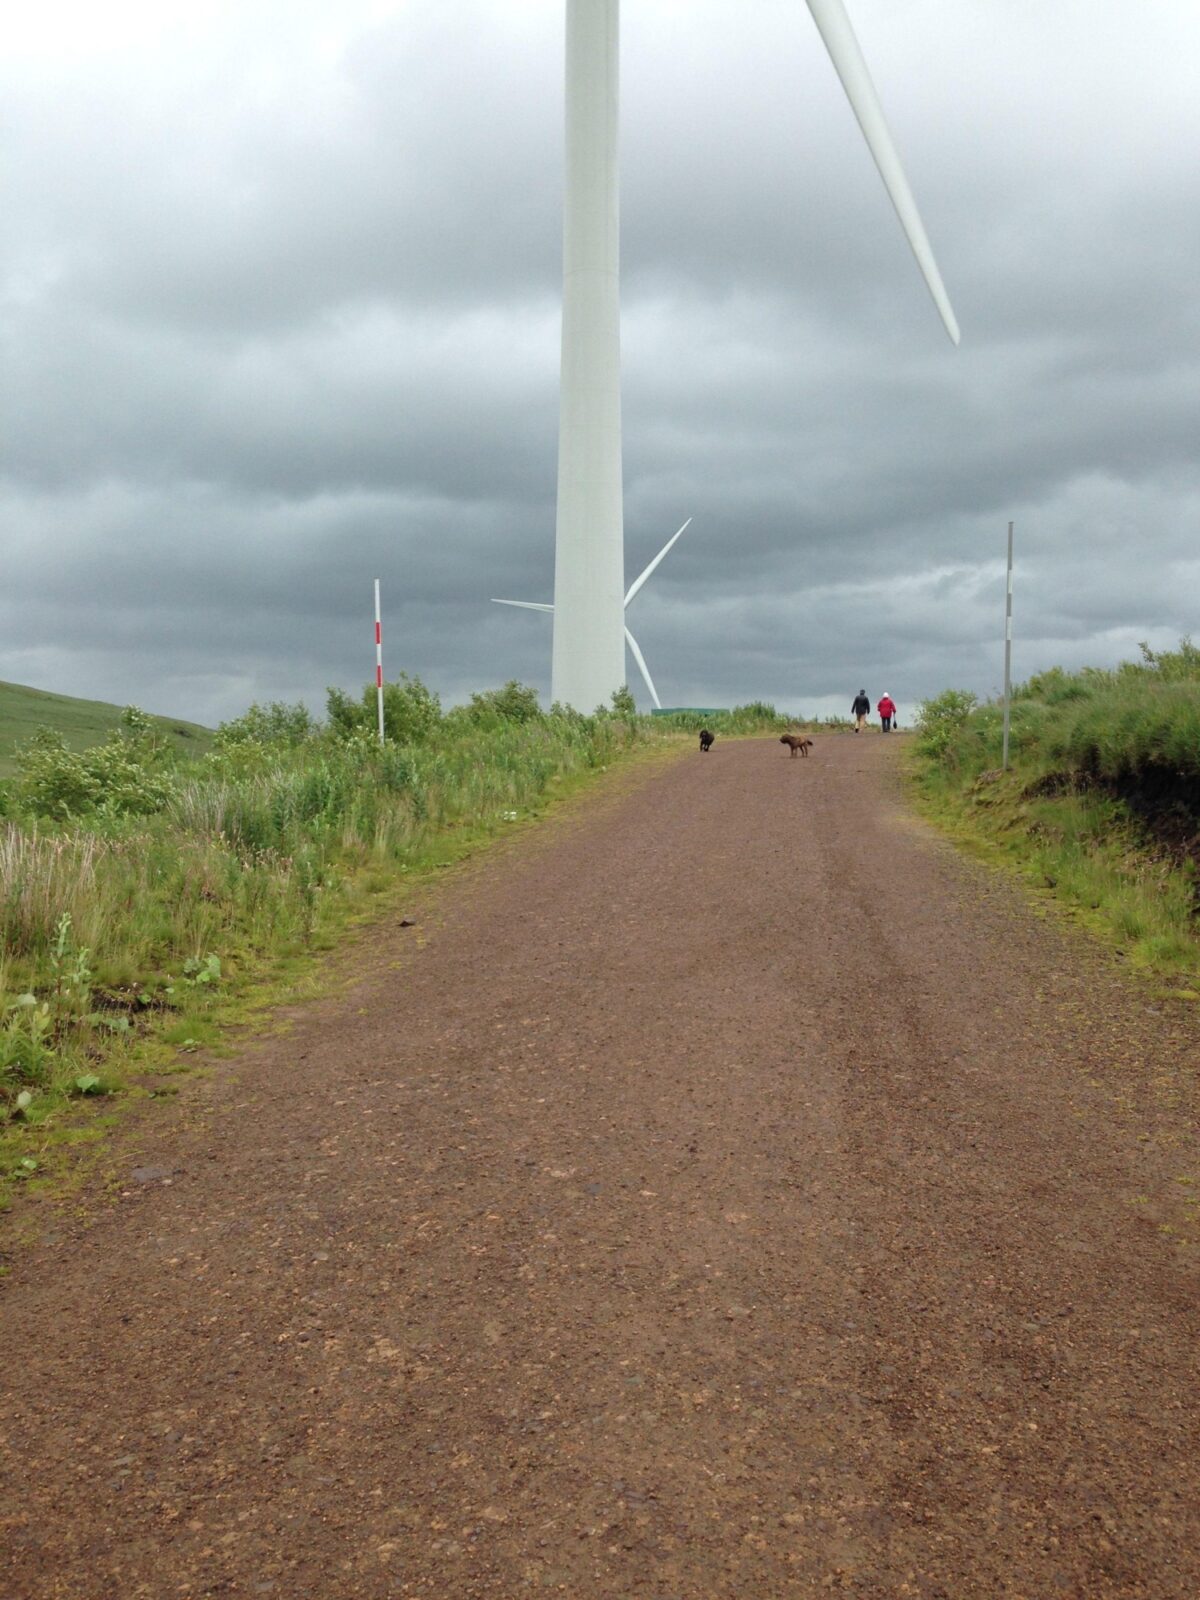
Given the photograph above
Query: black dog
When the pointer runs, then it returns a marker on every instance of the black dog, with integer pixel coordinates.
(706, 740)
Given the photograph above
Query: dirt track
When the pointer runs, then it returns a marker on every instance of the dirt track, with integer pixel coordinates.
(737, 1195)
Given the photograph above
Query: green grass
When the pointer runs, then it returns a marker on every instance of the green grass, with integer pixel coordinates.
(1101, 804)
(82, 723)
(755, 718)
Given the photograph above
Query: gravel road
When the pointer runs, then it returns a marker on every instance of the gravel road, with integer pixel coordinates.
(725, 1190)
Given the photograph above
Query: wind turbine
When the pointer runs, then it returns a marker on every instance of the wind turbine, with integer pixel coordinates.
(537, 605)
(589, 557)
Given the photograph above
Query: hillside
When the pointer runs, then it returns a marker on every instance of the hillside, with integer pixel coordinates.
(82, 723)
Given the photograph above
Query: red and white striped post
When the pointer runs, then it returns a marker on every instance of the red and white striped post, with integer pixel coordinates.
(379, 659)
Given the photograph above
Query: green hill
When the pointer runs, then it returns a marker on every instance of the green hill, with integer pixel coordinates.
(82, 723)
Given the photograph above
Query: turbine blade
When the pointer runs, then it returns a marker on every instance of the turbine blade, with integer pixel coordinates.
(526, 605)
(640, 581)
(643, 668)
(834, 27)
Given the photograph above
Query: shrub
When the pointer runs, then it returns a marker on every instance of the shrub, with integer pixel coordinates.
(345, 713)
(116, 777)
(411, 712)
(1173, 665)
(273, 724)
(623, 703)
(515, 702)
(940, 720)
(135, 724)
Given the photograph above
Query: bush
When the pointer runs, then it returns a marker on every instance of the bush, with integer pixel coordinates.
(515, 702)
(117, 777)
(1182, 665)
(939, 721)
(274, 724)
(623, 703)
(411, 712)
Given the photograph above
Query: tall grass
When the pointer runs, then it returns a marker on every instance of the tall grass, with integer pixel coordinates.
(239, 850)
(1102, 802)
(1109, 725)
(42, 878)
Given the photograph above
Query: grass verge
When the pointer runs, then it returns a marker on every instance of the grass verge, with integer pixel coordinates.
(1101, 802)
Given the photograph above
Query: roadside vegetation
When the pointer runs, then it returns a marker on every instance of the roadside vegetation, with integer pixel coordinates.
(755, 717)
(142, 890)
(81, 723)
(1101, 803)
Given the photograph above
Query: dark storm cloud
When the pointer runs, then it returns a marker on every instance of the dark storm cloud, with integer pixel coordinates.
(281, 314)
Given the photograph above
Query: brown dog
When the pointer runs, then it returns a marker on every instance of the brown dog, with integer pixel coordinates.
(797, 741)
(706, 740)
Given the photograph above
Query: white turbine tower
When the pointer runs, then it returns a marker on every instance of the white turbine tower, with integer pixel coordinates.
(589, 623)
(539, 605)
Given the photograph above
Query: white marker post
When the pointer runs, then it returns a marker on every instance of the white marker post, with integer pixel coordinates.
(1008, 649)
(379, 659)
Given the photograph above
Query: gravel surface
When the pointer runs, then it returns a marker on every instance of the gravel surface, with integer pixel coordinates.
(725, 1190)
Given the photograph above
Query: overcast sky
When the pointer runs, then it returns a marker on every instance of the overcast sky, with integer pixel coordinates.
(281, 314)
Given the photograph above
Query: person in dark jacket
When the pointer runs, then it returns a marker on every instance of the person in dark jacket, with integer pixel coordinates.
(861, 709)
(887, 711)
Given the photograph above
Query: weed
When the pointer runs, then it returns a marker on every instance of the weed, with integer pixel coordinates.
(200, 974)
(25, 1047)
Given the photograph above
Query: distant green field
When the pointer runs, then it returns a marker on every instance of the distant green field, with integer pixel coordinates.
(82, 723)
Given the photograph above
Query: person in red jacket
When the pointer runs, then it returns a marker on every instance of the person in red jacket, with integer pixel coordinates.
(887, 711)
